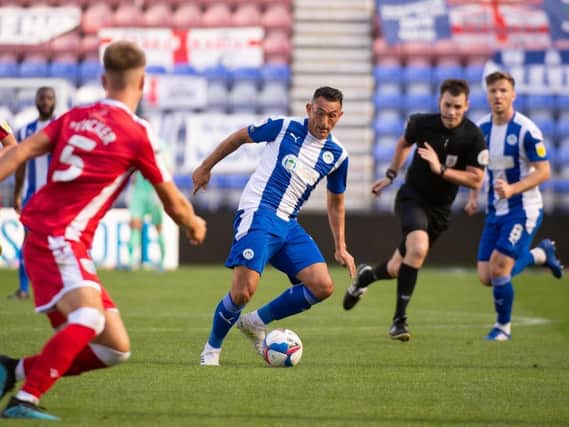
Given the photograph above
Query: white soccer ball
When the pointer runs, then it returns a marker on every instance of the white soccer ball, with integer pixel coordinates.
(283, 348)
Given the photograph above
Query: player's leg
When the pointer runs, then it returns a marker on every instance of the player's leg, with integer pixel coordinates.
(23, 288)
(134, 242)
(157, 217)
(488, 238)
(366, 275)
(544, 254)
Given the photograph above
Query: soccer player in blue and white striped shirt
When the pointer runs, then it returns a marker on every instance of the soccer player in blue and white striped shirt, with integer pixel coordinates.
(32, 175)
(299, 153)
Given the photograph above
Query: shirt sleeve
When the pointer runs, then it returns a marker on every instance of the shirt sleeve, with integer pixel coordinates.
(478, 155)
(534, 145)
(53, 128)
(410, 134)
(265, 131)
(4, 129)
(151, 162)
(336, 182)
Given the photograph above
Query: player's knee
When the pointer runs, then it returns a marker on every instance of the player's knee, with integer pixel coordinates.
(241, 296)
(418, 252)
(88, 317)
(322, 289)
(110, 356)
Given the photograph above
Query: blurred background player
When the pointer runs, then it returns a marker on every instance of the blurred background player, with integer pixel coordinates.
(143, 202)
(31, 176)
(298, 154)
(6, 139)
(518, 163)
(450, 152)
(94, 151)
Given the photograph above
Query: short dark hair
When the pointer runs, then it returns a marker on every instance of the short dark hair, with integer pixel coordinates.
(329, 94)
(122, 56)
(499, 75)
(455, 87)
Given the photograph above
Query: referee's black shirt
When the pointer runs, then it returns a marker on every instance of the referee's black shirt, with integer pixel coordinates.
(457, 148)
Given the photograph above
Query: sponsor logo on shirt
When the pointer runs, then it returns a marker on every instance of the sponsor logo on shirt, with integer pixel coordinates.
(540, 149)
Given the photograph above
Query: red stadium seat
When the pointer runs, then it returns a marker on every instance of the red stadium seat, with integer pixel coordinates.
(127, 15)
(246, 15)
(96, 17)
(188, 15)
(277, 45)
(89, 45)
(217, 15)
(277, 16)
(70, 42)
(158, 15)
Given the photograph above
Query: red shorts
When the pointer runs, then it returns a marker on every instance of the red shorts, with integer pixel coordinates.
(56, 266)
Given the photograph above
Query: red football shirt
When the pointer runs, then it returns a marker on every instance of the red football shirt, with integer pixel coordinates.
(94, 150)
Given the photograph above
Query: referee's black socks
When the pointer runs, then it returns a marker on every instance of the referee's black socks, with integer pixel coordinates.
(406, 281)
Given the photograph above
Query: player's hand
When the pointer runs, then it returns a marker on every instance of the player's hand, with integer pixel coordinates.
(471, 206)
(345, 259)
(196, 233)
(379, 185)
(428, 154)
(502, 189)
(200, 178)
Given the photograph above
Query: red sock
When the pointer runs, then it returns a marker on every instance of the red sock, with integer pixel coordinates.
(56, 358)
(85, 361)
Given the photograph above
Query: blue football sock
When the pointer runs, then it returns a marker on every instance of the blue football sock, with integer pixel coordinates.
(522, 262)
(292, 301)
(503, 298)
(24, 281)
(225, 316)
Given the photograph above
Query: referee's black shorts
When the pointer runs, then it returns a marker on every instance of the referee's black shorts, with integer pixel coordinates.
(417, 214)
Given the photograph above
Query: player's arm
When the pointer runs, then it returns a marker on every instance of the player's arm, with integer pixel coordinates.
(202, 173)
(33, 146)
(471, 177)
(337, 220)
(18, 185)
(181, 211)
(541, 172)
(400, 154)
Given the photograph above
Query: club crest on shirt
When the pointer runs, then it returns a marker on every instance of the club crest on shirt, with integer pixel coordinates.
(328, 157)
(483, 157)
(289, 162)
(540, 149)
(512, 139)
(451, 160)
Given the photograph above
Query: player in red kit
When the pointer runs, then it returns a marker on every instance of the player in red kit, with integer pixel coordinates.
(94, 150)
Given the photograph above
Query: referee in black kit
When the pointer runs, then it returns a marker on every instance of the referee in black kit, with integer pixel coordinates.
(451, 151)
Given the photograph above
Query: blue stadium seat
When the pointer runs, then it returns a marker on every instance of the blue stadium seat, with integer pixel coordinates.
(562, 128)
(419, 103)
(547, 124)
(388, 127)
(382, 153)
(562, 103)
(389, 101)
(474, 73)
(245, 74)
(275, 72)
(90, 70)
(477, 100)
(417, 73)
(33, 68)
(217, 96)
(184, 69)
(64, 69)
(442, 72)
(273, 98)
(539, 102)
(156, 69)
(8, 68)
(388, 73)
(243, 97)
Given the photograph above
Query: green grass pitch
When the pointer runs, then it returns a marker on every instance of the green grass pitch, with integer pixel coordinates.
(351, 373)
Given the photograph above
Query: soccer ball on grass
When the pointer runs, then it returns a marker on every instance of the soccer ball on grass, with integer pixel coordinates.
(282, 348)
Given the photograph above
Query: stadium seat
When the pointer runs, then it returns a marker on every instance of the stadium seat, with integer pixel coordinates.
(245, 74)
(562, 127)
(70, 42)
(184, 69)
(188, 15)
(90, 70)
(89, 45)
(388, 101)
(417, 72)
(474, 73)
(246, 15)
(217, 96)
(217, 15)
(277, 43)
(477, 99)
(158, 15)
(382, 153)
(277, 16)
(384, 128)
(273, 98)
(64, 66)
(447, 70)
(547, 124)
(243, 97)
(419, 103)
(275, 73)
(127, 14)
(34, 65)
(562, 102)
(414, 51)
(8, 66)
(95, 17)
(540, 102)
(388, 73)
